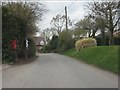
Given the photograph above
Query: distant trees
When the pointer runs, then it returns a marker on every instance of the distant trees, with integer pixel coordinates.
(86, 27)
(107, 13)
(61, 39)
(102, 17)
(57, 42)
(79, 33)
(60, 43)
(58, 23)
(54, 42)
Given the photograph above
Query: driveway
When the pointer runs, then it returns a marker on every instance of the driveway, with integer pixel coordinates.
(57, 71)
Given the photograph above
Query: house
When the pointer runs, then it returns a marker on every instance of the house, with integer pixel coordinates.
(116, 34)
(116, 38)
(39, 42)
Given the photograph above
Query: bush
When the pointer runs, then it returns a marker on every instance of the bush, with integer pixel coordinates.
(46, 49)
(66, 40)
(8, 55)
(84, 43)
(54, 43)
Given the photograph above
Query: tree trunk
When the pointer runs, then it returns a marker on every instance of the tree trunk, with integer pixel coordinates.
(111, 27)
(93, 35)
(94, 32)
(89, 33)
(111, 38)
(103, 37)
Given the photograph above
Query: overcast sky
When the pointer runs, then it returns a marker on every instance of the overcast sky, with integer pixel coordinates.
(75, 10)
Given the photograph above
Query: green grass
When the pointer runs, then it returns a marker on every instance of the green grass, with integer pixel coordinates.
(105, 57)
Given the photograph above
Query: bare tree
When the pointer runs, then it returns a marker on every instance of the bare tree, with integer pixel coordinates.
(58, 23)
(107, 12)
(89, 26)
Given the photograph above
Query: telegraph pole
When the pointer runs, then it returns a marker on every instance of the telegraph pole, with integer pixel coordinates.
(66, 18)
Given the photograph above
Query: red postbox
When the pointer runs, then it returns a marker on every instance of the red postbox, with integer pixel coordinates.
(14, 42)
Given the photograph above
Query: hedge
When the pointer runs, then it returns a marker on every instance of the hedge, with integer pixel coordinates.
(84, 43)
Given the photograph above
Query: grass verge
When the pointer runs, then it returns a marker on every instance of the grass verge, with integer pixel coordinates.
(105, 57)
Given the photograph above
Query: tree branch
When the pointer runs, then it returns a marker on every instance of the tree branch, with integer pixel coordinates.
(116, 22)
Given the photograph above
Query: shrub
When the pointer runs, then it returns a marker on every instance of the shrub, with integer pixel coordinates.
(46, 49)
(8, 55)
(66, 40)
(84, 43)
(54, 43)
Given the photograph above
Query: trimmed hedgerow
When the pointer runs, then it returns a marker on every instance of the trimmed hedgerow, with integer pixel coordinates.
(84, 43)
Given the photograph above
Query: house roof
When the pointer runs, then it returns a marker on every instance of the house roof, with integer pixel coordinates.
(115, 34)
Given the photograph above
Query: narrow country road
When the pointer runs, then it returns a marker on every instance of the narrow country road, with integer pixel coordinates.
(0, 77)
(57, 71)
